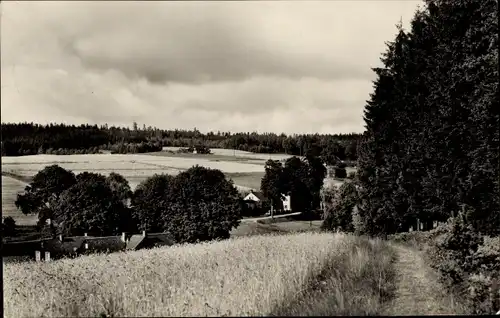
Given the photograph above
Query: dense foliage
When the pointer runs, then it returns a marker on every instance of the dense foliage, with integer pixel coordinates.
(198, 204)
(150, 200)
(87, 202)
(90, 206)
(44, 190)
(339, 209)
(302, 179)
(30, 139)
(469, 263)
(431, 146)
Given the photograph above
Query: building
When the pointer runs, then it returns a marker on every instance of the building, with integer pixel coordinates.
(287, 203)
(256, 198)
(80, 245)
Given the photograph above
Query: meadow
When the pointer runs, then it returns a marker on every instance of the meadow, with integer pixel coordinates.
(134, 167)
(258, 275)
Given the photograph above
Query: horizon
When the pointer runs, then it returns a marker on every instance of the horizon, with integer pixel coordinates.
(140, 127)
(291, 67)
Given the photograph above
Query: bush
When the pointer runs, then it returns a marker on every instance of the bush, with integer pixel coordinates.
(468, 263)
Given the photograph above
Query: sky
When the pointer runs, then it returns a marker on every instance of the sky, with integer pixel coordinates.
(268, 66)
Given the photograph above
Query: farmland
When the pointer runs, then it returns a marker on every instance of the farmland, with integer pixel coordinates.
(246, 169)
(260, 275)
(10, 188)
(137, 168)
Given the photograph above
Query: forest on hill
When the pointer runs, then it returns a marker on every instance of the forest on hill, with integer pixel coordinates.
(29, 139)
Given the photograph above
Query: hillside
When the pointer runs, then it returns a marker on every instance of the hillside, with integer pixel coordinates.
(259, 275)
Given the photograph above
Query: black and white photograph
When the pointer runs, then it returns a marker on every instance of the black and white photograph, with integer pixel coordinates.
(250, 158)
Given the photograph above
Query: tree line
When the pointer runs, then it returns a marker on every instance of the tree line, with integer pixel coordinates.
(431, 147)
(29, 139)
(198, 204)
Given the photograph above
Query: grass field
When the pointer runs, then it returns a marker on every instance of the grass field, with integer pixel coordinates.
(259, 275)
(137, 168)
(249, 227)
(10, 188)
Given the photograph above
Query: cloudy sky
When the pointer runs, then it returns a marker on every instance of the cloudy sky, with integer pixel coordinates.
(287, 66)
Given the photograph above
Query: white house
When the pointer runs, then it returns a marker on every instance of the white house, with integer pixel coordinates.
(258, 197)
(255, 196)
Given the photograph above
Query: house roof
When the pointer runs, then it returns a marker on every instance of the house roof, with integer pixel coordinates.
(259, 195)
(76, 244)
(22, 248)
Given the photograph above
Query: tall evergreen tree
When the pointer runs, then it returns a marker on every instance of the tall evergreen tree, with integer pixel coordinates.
(431, 145)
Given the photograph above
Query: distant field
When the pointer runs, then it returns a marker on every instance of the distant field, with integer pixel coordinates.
(10, 188)
(301, 274)
(135, 168)
(240, 154)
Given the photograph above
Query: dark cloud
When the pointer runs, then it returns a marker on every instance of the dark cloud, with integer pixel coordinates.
(275, 66)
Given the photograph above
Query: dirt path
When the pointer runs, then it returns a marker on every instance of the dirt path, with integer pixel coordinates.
(268, 217)
(417, 290)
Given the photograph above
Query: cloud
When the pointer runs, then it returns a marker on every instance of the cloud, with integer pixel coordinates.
(269, 66)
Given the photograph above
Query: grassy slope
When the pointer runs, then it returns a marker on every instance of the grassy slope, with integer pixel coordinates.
(259, 275)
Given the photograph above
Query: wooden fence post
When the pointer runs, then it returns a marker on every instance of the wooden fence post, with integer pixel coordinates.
(47, 256)
(37, 256)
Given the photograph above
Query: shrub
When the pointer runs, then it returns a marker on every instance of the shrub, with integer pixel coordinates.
(468, 263)
(454, 243)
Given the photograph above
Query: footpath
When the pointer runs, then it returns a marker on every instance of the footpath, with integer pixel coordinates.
(418, 291)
